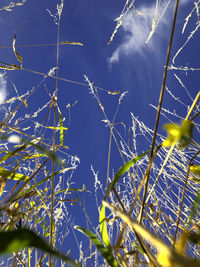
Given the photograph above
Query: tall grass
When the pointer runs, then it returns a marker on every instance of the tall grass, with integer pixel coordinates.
(152, 199)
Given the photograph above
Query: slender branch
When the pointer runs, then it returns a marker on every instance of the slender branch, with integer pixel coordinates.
(36, 45)
(109, 152)
(160, 104)
(52, 224)
(164, 78)
(63, 79)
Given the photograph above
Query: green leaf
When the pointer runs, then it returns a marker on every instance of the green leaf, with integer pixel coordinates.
(103, 227)
(34, 156)
(41, 148)
(12, 175)
(12, 241)
(105, 252)
(44, 180)
(12, 153)
(123, 170)
(52, 127)
(61, 127)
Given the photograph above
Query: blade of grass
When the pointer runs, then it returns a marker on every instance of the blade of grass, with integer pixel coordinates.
(122, 171)
(103, 228)
(19, 58)
(12, 175)
(51, 127)
(166, 255)
(43, 181)
(105, 252)
(6, 66)
(61, 128)
(12, 241)
(50, 154)
(16, 194)
(12, 153)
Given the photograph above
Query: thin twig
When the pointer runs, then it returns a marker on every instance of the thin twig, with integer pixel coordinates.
(160, 104)
(63, 79)
(52, 227)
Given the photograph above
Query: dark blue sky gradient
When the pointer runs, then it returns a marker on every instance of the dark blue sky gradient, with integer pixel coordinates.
(139, 72)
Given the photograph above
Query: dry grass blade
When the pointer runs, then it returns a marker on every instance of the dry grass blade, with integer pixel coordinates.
(126, 9)
(6, 66)
(19, 58)
(11, 5)
(71, 43)
(166, 255)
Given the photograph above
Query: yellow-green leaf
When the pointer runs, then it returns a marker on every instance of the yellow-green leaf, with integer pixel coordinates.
(103, 227)
(61, 127)
(12, 175)
(52, 127)
(105, 252)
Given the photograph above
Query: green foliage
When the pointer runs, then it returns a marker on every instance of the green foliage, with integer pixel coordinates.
(106, 252)
(12, 175)
(12, 241)
(103, 227)
(123, 170)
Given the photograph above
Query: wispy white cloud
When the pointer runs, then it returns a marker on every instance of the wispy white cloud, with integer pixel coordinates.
(3, 88)
(137, 27)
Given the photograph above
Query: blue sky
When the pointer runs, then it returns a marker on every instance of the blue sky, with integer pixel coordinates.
(127, 64)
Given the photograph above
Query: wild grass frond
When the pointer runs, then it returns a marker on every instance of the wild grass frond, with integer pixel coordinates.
(12, 5)
(186, 42)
